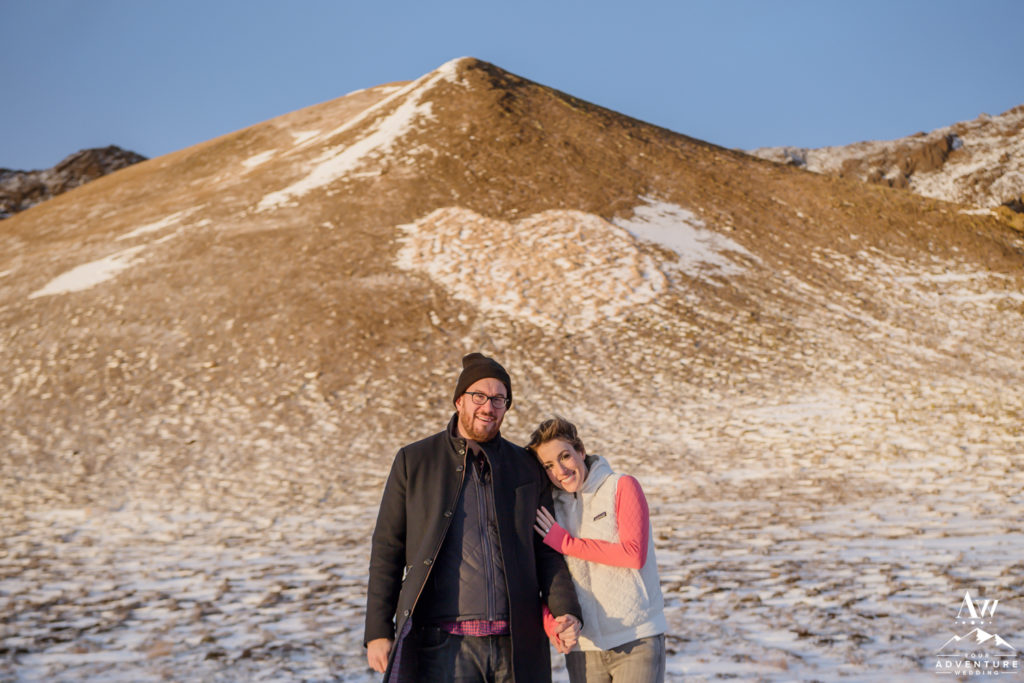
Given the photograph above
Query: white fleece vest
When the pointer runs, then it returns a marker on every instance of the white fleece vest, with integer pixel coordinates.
(618, 604)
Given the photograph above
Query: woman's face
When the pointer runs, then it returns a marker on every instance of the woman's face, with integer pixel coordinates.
(564, 464)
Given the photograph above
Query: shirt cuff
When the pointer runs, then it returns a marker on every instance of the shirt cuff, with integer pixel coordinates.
(556, 537)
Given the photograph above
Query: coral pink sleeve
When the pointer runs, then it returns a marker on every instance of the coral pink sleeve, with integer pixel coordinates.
(549, 624)
(634, 526)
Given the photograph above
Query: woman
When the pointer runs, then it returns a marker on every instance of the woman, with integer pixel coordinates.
(601, 524)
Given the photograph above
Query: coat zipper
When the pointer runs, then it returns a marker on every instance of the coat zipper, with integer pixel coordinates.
(486, 498)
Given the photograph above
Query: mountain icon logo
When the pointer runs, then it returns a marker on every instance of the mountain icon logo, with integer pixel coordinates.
(977, 638)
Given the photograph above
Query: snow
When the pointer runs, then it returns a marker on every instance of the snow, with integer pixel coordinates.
(591, 270)
(336, 162)
(379, 88)
(299, 137)
(557, 269)
(101, 270)
(986, 296)
(89, 274)
(1010, 185)
(158, 225)
(257, 159)
(701, 251)
(985, 170)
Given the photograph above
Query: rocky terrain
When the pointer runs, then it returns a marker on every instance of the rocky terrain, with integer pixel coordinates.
(979, 163)
(20, 190)
(209, 359)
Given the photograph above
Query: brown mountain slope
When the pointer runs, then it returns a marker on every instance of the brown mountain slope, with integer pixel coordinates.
(247, 329)
(287, 274)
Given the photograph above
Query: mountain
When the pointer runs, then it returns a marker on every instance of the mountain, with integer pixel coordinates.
(20, 190)
(979, 163)
(977, 638)
(255, 288)
(208, 360)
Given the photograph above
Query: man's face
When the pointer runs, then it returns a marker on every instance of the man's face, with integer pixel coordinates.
(481, 423)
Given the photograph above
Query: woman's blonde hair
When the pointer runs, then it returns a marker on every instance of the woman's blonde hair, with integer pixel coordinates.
(555, 428)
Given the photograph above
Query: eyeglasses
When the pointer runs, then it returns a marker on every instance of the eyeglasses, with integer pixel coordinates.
(480, 398)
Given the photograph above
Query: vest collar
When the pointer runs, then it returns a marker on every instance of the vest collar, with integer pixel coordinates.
(598, 470)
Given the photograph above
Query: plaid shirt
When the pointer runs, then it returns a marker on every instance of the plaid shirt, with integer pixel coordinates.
(477, 627)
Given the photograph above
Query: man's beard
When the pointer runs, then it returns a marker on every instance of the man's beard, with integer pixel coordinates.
(467, 422)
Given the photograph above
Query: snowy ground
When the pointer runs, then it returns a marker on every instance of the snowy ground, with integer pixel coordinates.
(771, 573)
(819, 528)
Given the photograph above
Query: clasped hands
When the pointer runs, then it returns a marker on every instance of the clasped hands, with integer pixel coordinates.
(567, 633)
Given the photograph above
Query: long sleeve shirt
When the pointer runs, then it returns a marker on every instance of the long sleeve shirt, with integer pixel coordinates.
(634, 525)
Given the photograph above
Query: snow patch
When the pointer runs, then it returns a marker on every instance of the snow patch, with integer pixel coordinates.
(985, 170)
(336, 162)
(974, 298)
(89, 274)
(1010, 185)
(558, 269)
(257, 159)
(99, 271)
(300, 136)
(701, 251)
(158, 225)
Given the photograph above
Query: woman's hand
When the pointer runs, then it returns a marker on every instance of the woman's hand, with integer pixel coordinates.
(545, 520)
(568, 633)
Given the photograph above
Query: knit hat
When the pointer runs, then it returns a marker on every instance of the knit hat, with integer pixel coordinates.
(477, 366)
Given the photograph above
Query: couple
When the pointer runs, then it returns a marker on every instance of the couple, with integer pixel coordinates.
(467, 570)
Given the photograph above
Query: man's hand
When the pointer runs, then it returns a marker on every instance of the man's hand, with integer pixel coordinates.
(567, 631)
(377, 652)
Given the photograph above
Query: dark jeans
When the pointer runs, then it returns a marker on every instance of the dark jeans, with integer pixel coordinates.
(442, 657)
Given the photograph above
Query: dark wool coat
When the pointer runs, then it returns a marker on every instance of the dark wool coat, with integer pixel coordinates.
(415, 511)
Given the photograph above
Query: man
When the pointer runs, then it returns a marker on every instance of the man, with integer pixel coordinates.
(456, 570)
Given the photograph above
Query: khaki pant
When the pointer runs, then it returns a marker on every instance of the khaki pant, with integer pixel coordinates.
(639, 661)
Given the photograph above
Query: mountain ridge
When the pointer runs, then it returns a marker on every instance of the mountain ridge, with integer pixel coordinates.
(20, 190)
(978, 163)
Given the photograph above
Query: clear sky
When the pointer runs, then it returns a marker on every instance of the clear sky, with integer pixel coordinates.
(154, 76)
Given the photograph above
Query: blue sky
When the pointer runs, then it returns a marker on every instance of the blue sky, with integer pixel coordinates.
(155, 76)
